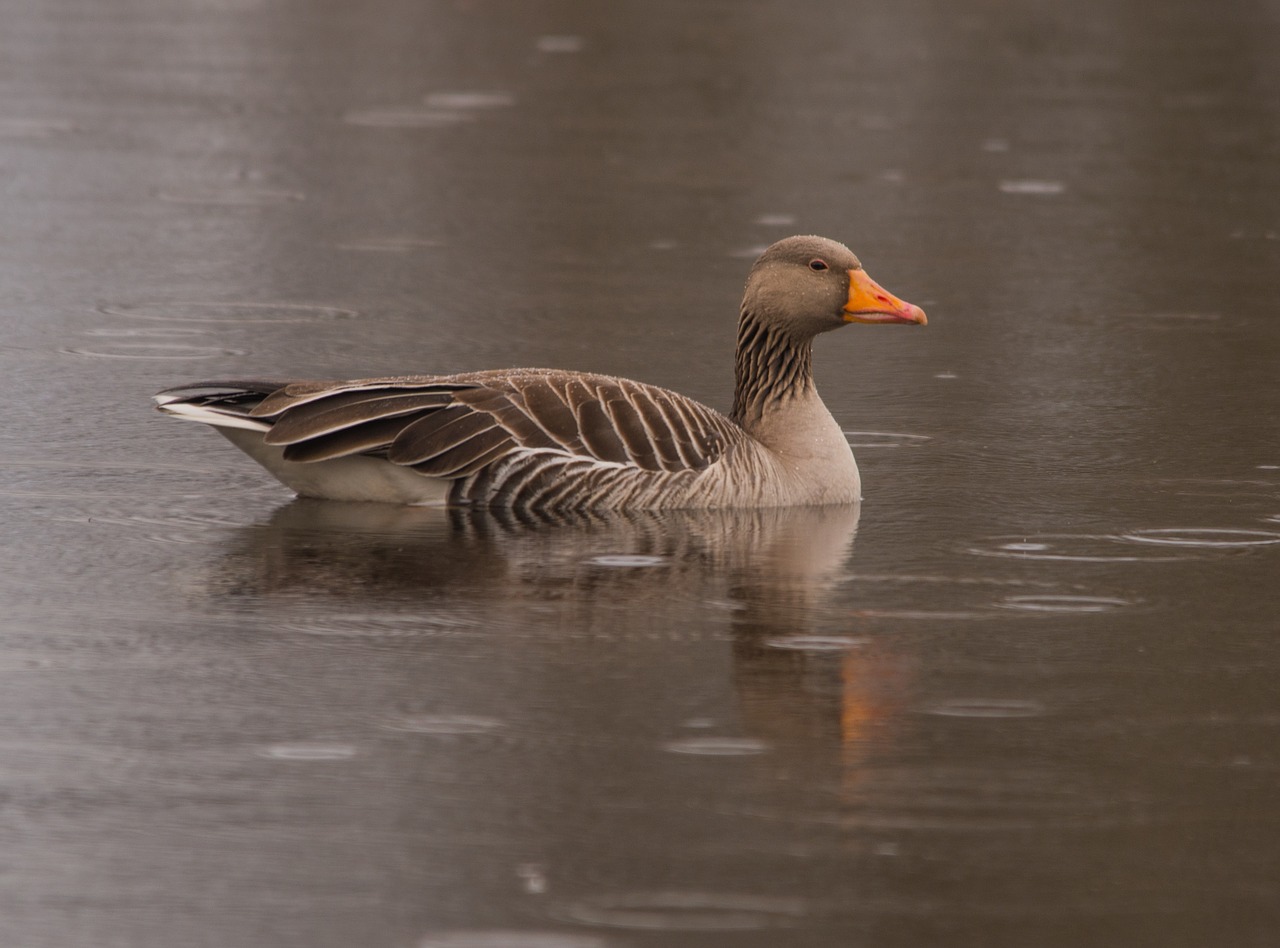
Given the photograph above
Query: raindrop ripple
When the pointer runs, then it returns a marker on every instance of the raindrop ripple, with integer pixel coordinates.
(985, 708)
(717, 746)
(817, 643)
(1210, 537)
(202, 311)
(451, 724)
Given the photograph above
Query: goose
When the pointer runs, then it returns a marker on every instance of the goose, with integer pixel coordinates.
(555, 440)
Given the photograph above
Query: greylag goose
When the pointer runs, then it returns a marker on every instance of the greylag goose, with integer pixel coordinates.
(547, 439)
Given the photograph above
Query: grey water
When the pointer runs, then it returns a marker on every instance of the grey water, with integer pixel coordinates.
(1027, 694)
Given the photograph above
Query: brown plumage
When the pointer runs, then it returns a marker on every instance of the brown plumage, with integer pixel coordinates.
(552, 439)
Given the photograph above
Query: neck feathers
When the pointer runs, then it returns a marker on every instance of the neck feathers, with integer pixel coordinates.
(771, 369)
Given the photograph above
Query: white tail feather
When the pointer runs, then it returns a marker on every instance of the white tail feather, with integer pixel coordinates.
(207, 414)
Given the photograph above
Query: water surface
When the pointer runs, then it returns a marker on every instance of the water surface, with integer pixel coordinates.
(1025, 694)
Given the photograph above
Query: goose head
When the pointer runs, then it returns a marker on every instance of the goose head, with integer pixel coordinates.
(803, 286)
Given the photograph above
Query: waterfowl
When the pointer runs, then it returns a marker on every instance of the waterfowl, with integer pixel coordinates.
(548, 439)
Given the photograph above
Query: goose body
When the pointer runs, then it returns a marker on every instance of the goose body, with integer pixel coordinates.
(547, 439)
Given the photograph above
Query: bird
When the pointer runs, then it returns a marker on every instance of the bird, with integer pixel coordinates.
(554, 440)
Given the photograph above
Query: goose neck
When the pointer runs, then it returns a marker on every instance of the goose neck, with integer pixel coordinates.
(772, 368)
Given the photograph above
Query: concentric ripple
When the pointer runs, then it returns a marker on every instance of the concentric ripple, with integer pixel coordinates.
(985, 708)
(169, 351)
(686, 911)
(148, 332)
(1208, 537)
(885, 439)
(1082, 547)
(1063, 603)
(201, 311)
(469, 100)
(817, 643)
(448, 724)
(1032, 186)
(307, 751)
(717, 746)
(924, 614)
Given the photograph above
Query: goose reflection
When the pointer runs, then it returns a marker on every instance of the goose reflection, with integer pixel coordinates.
(772, 562)
(808, 681)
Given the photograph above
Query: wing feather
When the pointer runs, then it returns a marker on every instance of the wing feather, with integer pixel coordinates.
(659, 431)
(438, 432)
(687, 434)
(635, 435)
(508, 407)
(525, 436)
(296, 394)
(349, 409)
(551, 412)
(467, 455)
(598, 434)
(370, 438)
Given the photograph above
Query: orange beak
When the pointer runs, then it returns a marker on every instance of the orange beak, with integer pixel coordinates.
(869, 302)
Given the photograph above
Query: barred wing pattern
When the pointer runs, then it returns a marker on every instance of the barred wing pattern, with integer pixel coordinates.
(535, 439)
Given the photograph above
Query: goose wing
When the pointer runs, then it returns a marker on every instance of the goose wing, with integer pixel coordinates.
(453, 427)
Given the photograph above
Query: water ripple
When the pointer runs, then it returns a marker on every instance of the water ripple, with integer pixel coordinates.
(202, 311)
(985, 708)
(148, 332)
(1063, 603)
(1032, 186)
(717, 746)
(1210, 537)
(942, 614)
(884, 439)
(451, 724)
(175, 351)
(1082, 547)
(817, 643)
(469, 100)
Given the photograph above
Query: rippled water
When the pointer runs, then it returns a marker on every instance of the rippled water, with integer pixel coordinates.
(1025, 695)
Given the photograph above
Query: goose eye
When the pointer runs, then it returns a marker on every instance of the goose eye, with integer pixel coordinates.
(817, 265)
